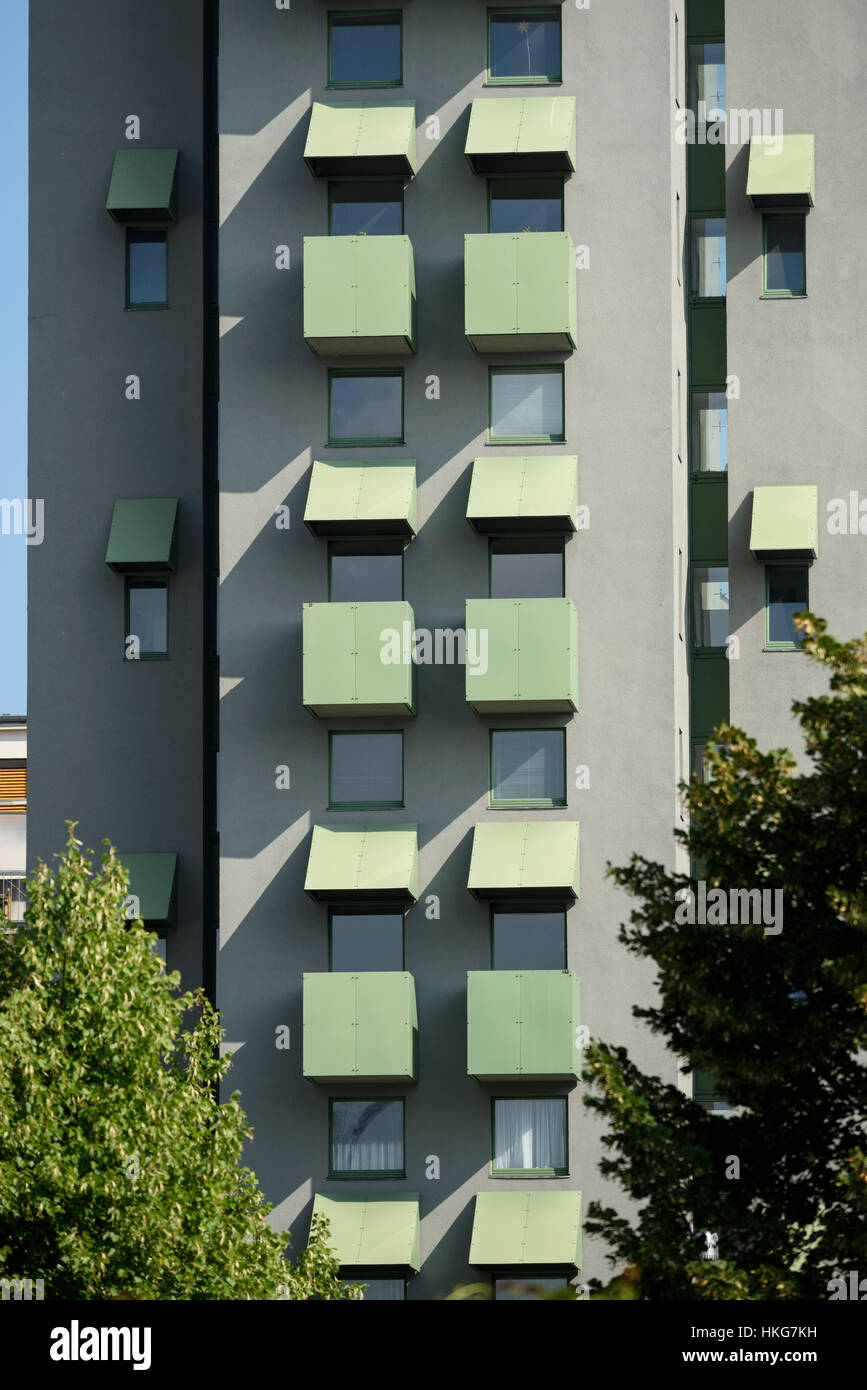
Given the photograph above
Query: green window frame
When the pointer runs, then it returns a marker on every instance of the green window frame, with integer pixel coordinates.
(543, 803)
(559, 1172)
(368, 910)
(369, 804)
(696, 570)
(767, 219)
(527, 181)
(364, 373)
(551, 369)
(373, 547)
(774, 570)
(521, 16)
(546, 909)
(344, 19)
(139, 236)
(372, 187)
(336, 1174)
(144, 582)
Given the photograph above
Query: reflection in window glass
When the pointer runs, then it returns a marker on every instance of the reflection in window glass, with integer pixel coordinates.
(367, 769)
(707, 78)
(366, 941)
(527, 569)
(529, 940)
(525, 44)
(361, 575)
(366, 209)
(710, 605)
(147, 268)
(528, 765)
(530, 1134)
(708, 278)
(366, 409)
(148, 616)
(787, 595)
(526, 406)
(710, 432)
(526, 205)
(367, 1137)
(785, 255)
(365, 49)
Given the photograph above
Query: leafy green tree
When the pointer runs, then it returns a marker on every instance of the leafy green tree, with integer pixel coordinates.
(120, 1173)
(777, 1018)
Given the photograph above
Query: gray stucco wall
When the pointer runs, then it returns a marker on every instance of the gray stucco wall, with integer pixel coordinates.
(622, 574)
(114, 745)
(802, 416)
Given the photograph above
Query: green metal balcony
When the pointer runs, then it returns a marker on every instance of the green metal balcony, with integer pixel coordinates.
(359, 295)
(522, 1025)
(352, 659)
(520, 292)
(527, 652)
(360, 1027)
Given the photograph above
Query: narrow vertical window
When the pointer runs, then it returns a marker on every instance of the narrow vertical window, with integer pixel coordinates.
(146, 269)
(147, 619)
(786, 595)
(785, 257)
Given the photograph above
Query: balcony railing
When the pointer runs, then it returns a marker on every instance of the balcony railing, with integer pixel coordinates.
(12, 896)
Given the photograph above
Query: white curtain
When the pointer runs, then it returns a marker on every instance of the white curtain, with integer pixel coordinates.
(367, 1136)
(530, 1133)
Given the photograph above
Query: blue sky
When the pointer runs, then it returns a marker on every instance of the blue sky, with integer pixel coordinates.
(13, 347)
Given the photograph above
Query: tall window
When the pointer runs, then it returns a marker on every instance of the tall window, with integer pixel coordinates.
(146, 269)
(147, 619)
(528, 940)
(365, 571)
(365, 50)
(367, 1139)
(710, 432)
(528, 767)
(530, 1137)
(786, 595)
(527, 568)
(707, 78)
(524, 45)
(708, 257)
(366, 770)
(365, 209)
(526, 405)
(366, 941)
(525, 205)
(365, 407)
(710, 606)
(785, 256)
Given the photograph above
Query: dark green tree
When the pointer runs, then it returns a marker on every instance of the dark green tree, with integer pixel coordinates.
(121, 1175)
(777, 1017)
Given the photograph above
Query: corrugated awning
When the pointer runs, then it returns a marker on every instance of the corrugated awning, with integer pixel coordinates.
(358, 862)
(153, 879)
(525, 859)
(373, 1231)
(370, 137)
(142, 536)
(527, 1229)
(143, 186)
(362, 498)
(524, 494)
(521, 134)
(782, 177)
(785, 523)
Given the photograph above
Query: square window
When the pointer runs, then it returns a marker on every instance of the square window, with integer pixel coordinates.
(785, 258)
(710, 432)
(366, 770)
(708, 257)
(367, 1139)
(365, 407)
(365, 572)
(528, 940)
(786, 587)
(525, 205)
(366, 941)
(707, 79)
(528, 767)
(524, 45)
(526, 405)
(530, 1137)
(710, 606)
(526, 568)
(146, 269)
(365, 50)
(365, 209)
(528, 1288)
(379, 1290)
(147, 620)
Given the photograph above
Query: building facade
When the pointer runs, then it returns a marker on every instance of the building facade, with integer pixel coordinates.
(520, 480)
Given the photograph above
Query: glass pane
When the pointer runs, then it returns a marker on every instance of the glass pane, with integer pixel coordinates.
(710, 432)
(700, 764)
(147, 267)
(787, 595)
(526, 205)
(148, 617)
(707, 77)
(529, 941)
(528, 1287)
(367, 1136)
(366, 941)
(379, 1290)
(526, 405)
(366, 209)
(367, 408)
(530, 1133)
(528, 765)
(361, 577)
(710, 606)
(367, 768)
(785, 260)
(525, 44)
(365, 48)
(709, 257)
(526, 569)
